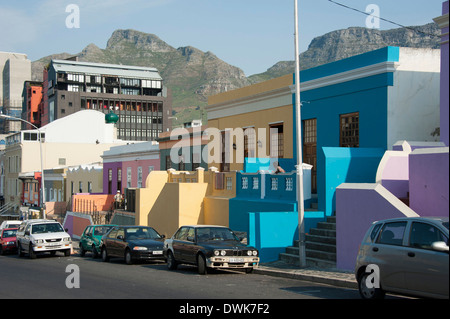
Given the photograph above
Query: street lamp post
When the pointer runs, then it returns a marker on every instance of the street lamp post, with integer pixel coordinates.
(40, 151)
(300, 205)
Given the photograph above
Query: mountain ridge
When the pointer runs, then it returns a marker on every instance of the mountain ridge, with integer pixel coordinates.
(193, 75)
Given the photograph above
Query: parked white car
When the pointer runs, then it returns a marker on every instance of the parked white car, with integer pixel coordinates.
(10, 224)
(36, 236)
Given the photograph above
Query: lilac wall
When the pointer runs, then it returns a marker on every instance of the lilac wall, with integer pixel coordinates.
(444, 80)
(357, 207)
(429, 181)
(144, 164)
(106, 167)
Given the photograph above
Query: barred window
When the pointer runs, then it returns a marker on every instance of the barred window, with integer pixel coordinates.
(349, 136)
(229, 183)
(255, 183)
(289, 183)
(274, 183)
(244, 182)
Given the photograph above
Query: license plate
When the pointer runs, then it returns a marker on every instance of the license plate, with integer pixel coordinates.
(236, 260)
(157, 252)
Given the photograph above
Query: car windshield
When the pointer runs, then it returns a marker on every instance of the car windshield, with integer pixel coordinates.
(134, 233)
(101, 230)
(47, 228)
(215, 233)
(9, 233)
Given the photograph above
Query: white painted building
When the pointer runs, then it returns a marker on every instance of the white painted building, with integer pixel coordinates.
(77, 139)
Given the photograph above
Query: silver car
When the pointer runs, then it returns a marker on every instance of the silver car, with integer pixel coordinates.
(404, 255)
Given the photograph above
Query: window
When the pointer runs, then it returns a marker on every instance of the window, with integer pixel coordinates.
(128, 177)
(181, 166)
(276, 141)
(182, 233)
(139, 175)
(249, 142)
(392, 233)
(168, 162)
(244, 182)
(423, 235)
(289, 183)
(274, 183)
(349, 135)
(119, 179)
(255, 183)
(310, 149)
(229, 183)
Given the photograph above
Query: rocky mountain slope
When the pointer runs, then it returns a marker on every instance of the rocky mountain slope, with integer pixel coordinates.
(193, 75)
(341, 44)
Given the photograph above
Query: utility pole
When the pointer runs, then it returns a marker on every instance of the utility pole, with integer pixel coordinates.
(300, 204)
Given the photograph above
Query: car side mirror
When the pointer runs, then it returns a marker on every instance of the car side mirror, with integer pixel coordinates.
(120, 237)
(27, 233)
(163, 236)
(439, 246)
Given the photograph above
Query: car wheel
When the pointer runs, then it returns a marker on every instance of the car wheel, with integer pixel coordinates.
(105, 254)
(368, 292)
(248, 270)
(94, 252)
(82, 251)
(171, 262)
(201, 263)
(128, 258)
(67, 252)
(31, 252)
(19, 250)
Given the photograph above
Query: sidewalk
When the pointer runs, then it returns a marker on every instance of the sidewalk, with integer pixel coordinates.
(324, 276)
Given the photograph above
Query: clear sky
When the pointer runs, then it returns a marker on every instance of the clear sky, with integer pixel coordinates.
(250, 34)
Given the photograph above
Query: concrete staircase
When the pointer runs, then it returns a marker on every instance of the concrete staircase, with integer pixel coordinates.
(320, 246)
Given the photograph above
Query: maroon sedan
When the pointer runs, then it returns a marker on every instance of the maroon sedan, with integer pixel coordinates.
(8, 240)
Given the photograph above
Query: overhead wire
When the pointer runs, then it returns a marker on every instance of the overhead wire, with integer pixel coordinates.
(386, 20)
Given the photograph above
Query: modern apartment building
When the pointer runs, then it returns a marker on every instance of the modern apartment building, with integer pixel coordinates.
(136, 94)
(15, 69)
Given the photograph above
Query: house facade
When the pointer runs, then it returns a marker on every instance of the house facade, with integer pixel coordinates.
(136, 94)
(355, 109)
(65, 142)
(128, 166)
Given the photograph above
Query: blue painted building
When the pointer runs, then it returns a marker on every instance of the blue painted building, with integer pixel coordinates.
(365, 103)
(352, 111)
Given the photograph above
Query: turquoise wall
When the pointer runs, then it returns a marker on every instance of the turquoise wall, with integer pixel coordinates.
(271, 225)
(344, 165)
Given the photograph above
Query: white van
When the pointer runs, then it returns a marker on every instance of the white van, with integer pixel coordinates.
(36, 236)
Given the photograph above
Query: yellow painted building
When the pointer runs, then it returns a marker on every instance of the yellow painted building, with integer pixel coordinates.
(263, 106)
(172, 198)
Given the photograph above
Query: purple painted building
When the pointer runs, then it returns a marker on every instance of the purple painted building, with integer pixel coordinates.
(442, 22)
(418, 169)
(128, 166)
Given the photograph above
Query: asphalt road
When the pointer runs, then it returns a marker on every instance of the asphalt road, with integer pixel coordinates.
(46, 277)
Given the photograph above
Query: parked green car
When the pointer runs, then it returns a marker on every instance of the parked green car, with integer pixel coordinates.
(91, 238)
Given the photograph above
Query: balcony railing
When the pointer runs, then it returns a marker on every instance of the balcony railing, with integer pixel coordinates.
(260, 185)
